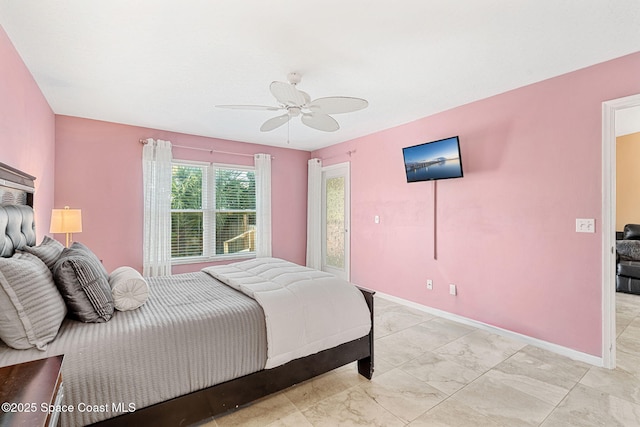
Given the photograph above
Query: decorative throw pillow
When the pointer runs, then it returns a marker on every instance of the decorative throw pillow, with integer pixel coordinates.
(129, 289)
(31, 308)
(80, 247)
(48, 251)
(84, 284)
(628, 250)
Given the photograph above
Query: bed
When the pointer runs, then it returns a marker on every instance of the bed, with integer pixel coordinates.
(196, 349)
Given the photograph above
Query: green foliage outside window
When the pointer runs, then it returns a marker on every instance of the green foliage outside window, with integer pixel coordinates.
(186, 227)
(186, 187)
(335, 222)
(234, 211)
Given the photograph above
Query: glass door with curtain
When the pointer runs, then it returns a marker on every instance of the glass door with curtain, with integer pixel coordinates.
(335, 220)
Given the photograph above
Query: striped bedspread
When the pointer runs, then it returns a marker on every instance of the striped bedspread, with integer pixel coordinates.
(194, 332)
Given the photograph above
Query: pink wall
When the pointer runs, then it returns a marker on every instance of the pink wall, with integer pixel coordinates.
(27, 129)
(99, 169)
(506, 231)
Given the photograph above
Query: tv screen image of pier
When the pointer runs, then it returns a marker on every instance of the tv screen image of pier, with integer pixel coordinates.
(433, 160)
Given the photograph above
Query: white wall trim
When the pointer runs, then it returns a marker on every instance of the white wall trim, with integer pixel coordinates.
(608, 228)
(545, 345)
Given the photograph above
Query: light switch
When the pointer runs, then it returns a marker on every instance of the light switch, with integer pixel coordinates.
(585, 225)
(376, 219)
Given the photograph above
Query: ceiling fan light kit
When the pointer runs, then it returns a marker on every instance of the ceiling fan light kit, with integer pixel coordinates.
(297, 103)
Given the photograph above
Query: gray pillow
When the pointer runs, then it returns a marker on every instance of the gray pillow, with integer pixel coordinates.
(80, 247)
(48, 251)
(84, 284)
(31, 308)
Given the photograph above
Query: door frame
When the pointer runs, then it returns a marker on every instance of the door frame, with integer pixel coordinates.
(609, 109)
(339, 169)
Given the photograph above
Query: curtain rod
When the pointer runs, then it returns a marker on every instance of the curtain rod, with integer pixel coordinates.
(350, 152)
(210, 150)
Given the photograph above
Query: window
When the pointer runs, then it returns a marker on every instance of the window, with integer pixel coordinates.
(213, 210)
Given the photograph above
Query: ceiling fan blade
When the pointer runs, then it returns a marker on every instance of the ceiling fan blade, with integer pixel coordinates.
(250, 107)
(287, 94)
(337, 104)
(320, 121)
(305, 95)
(275, 122)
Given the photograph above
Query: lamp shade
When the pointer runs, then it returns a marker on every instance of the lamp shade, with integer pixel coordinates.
(66, 220)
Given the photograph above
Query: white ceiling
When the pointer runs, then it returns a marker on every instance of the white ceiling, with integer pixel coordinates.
(165, 64)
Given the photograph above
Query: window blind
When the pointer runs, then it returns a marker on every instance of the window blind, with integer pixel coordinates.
(235, 210)
(187, 211)
(219, 220)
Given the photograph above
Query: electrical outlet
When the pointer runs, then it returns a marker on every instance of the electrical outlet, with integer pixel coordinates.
(585, 225)
(452, 289)
(430, 284)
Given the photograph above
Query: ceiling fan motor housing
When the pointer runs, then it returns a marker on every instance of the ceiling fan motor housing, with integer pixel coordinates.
(294, 111)
(294, 78)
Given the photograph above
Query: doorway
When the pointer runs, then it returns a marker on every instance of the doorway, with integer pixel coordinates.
(336, 220)
(609, 112)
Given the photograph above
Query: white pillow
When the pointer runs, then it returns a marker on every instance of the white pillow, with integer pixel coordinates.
(129, 289)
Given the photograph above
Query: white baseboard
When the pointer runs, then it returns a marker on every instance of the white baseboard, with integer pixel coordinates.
(555, 348)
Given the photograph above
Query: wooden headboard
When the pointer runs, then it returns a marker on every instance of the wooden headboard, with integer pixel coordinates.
(17, 223)
(16, 187)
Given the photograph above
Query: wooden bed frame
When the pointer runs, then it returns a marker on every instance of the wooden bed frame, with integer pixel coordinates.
(202, 405)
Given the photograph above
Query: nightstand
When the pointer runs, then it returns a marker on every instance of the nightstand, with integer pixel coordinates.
(28, 389)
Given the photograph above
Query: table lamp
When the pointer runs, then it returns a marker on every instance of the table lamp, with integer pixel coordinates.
(66, 221)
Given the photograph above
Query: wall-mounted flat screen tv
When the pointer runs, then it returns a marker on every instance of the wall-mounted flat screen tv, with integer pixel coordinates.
(433, 160)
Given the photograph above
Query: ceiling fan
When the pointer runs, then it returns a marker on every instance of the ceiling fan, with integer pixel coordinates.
(294, 102)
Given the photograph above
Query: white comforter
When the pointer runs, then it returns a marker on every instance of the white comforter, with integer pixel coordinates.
(306, 310)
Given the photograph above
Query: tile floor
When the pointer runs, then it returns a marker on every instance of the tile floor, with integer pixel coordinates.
(433, 372)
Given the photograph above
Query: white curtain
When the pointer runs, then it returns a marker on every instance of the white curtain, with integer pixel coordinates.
(156, 170)
(263, 204)
(314, 214)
